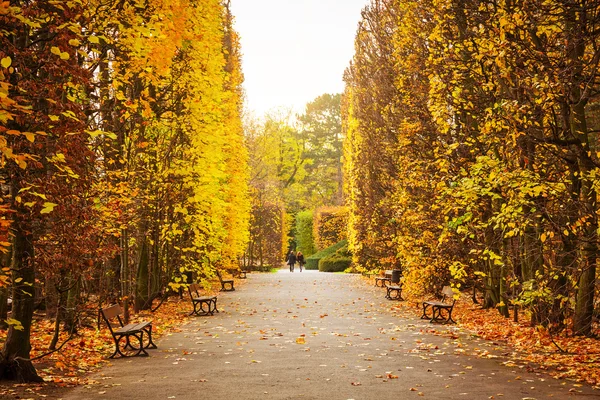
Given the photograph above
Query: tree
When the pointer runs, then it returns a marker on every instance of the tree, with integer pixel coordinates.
(321, 129)
(45, 157)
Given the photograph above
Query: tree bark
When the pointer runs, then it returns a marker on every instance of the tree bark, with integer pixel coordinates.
(14, 362)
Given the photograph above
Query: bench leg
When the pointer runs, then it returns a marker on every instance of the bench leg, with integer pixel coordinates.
(150, 344)
(227, 286)
(394, 294)
(438, 317)
(205, 307)
(425, 307)
(140, 350)
(199, 308)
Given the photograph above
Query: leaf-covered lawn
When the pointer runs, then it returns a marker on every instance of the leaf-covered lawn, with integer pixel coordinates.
(576, 358)
(90, 348)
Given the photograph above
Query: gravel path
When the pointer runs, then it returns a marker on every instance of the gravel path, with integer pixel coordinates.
(313, 335)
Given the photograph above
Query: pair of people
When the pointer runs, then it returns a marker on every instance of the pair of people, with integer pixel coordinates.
(292, 258)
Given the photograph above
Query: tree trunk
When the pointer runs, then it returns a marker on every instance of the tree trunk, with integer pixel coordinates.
(14, 362)
(124, 278)
(584, 307)
(71, 309)
(5, 263)
(141, 292)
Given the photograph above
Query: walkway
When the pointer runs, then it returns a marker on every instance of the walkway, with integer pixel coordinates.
(313, 335)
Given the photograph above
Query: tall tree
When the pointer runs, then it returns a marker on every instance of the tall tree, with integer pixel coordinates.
(45, 158)
(321, 127)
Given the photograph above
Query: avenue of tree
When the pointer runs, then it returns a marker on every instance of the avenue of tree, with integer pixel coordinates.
(464, 150)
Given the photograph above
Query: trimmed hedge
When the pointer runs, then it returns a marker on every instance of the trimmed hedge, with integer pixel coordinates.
(312, 262)
(338, 261)
(304, 233)
(330, 225)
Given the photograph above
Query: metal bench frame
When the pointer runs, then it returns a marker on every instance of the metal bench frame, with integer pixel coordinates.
(203, 305)
(394, 292)
(126, 332)
(226, 284)
(439, 308)
(382, 281)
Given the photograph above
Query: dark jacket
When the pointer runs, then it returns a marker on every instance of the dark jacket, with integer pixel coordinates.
(291, 258)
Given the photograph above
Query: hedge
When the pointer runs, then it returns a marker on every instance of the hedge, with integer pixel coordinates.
(304, 233)
(338, 261)
(312, 262)
(329, 226)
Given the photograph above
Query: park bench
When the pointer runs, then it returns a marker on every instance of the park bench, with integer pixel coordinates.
(123, 334)
(381, 281)
(441, 311)
(394, 291)
(203, 305)
(226, 284)
(241, 273)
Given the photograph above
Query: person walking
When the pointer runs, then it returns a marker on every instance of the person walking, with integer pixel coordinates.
(300, 259)
(291, 260)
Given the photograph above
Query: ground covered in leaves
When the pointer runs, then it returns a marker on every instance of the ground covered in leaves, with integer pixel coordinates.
(564, 356)
(528, 348)
(85, 352)
(560, 356)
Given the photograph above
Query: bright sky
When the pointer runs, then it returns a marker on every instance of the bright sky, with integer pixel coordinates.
(294, 50)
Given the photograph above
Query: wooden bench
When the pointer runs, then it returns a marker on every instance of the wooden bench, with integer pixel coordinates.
(123, 334)
(226, 284)
(203, 305)
(394, 292)
(242, 273)
(439, 308)
(381, 281)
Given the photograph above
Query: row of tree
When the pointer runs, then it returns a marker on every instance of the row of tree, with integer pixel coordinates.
(472, 150)
(123, 161)
(296, 166)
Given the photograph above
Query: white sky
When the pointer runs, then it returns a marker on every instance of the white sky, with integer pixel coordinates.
(294, 50)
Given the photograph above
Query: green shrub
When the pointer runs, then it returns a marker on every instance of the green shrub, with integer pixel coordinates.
(304, 233)
(336, 262)
(312, 262)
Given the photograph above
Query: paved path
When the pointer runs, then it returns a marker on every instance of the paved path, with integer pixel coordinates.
(313, 335)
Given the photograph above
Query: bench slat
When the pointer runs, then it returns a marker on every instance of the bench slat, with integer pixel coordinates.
(204, 298)
(138, 330)
(130, 328)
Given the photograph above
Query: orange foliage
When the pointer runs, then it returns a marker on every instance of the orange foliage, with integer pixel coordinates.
(330, 226)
